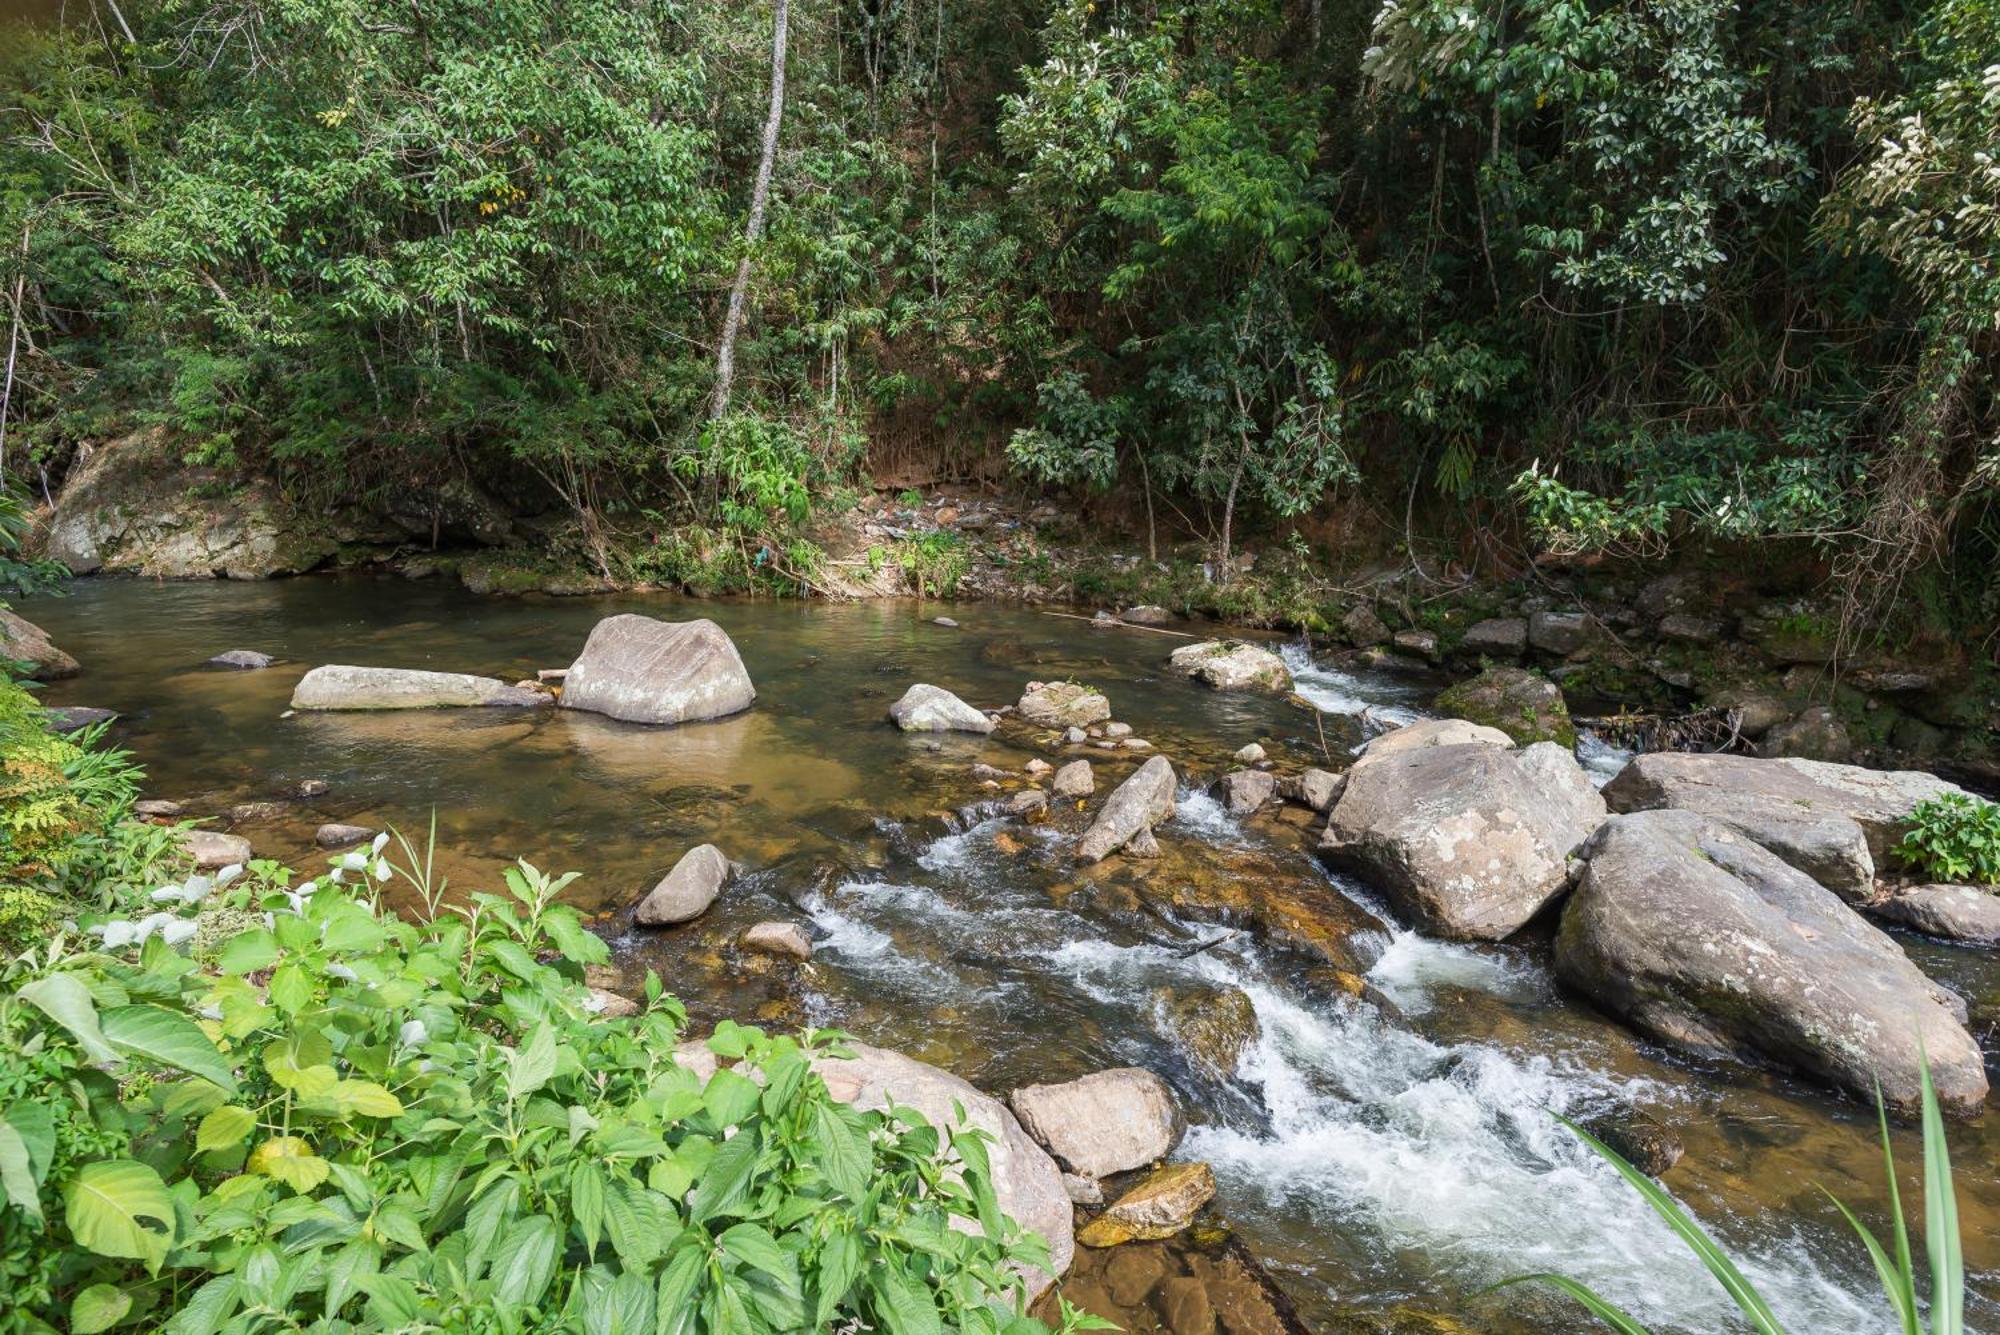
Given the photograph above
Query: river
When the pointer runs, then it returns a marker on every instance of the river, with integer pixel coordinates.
(1375, 1158)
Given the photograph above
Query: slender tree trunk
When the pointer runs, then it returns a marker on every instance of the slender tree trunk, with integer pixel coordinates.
(760, 194)
(13, 344)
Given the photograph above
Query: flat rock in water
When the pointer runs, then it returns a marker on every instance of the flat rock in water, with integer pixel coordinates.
(927, 708)
(1231, 665)
(779, 938)
(1146, 614)
(1468, 842)
(22, 641)
(1968, 914)
(241, 658)
(1836, 823)
(211, 849)
(686, 892)
(1106, 1122)
(1144, 800)
(1063, 704)
(159, 807)
(646, 671)
(1159, 1207)
(75, 718)
(344, 687)
(341, 836)
(1706, 940)
(1432, 732)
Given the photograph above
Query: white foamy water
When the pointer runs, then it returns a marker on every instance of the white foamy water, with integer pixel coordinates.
(1200, 815)
(1599, 758)
(1377, 699)
(1411, 965)
(1451, 1153)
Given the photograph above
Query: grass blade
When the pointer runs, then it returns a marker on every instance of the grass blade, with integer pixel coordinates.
(1898, 1286)
(1941, 1222)
(1904, 1295)
(1740, 1290)
(1599, 1308)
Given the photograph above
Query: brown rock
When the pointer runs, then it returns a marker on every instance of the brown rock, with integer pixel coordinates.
(1159, 1207)
(779, 938)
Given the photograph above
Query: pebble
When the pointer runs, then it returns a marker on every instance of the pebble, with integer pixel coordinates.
(1252, 754)
(946, 622)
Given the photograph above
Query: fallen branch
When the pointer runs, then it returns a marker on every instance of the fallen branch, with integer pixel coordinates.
(1118, 621)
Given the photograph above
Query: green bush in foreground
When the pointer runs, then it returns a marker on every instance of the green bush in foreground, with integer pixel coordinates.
(1955, 837)
(326, 1116)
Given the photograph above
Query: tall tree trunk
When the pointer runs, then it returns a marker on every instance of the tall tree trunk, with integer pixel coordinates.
(760, 194)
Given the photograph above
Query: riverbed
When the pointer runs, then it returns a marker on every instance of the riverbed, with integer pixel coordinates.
(1391, 1150)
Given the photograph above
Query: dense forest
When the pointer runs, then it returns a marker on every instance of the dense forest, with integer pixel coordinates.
(1560, 276)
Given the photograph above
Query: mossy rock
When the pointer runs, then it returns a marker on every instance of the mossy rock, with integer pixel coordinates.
(1525, 705)
(1215, 1025)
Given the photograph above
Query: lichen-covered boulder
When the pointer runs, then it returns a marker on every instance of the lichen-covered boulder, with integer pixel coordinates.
(1159, 1207)
(1432, 732)
(646, 671)
(1467, 842)
(1231, 665)
(1524, 705)
(1704, 939)
(927, 708)
(341, 686)
(1063, 704)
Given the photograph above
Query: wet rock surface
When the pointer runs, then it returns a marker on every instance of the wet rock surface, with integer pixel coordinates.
(1231, 665)
(685, 892)
(344, 687)
(1968, 914)
(1134, 807)
(1164, 1204)
(1702, 938)
(1104, 1123)
(1062, 704)
(926, 708)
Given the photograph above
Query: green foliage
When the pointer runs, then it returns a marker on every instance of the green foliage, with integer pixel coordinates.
(427, 1123)
(1954, 837)
(934, 562)
(1898, 1277)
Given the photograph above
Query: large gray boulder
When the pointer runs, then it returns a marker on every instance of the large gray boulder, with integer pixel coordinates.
(1106, 1122)
(1432, 732)
(1026, 1180)
(22, 641)
(1135, 806)
(1231, 665)
(339, 686)
(1697, 935)
(926, 708)
(1836, 823)
(645, 671)
(1468, 841)
(685, 892)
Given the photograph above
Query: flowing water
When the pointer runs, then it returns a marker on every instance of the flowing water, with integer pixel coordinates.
(1377, 1151)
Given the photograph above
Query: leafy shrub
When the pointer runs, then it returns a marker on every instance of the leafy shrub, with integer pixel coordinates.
(934, 563)
(355, 1120)
(1955, 837)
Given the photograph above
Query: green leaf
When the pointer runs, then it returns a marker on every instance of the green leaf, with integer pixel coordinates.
(205, 1312)
(756, 1248)
(1598, 1307)
(839, 1266)
(729, 1097)
(576, 942)
(532, 1064)
(291, 988)
(289, 1160)
(110, 1206)
(675, 1310)
(248, 952)
(1941, 1240)
(64, 999)
(525, 1261)
(586, 1203)
(727, 1177)
(99, 1307)
(903, 1303)
(223, 1129)
(170, 1039)
(363, 1098)
(640, 1222)
(346, 1273)
(17, 1176)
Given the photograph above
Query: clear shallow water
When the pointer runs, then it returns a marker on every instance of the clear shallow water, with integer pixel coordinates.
(1372, 1156)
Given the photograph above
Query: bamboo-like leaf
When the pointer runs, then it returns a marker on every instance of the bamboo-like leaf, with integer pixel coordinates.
(1895, 1285)
(1603, 1310)
(1941, 1221)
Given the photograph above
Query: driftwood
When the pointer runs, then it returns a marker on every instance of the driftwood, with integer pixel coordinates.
(1116, 621)
(1709, 730)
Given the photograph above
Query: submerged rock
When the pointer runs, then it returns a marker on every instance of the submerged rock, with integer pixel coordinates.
(343, 687)
(1144, 800)
(1836, 823)
(248, 659)
(1967, 914)
(22, 641)
(1159, 1207)
(1704, 939)
(211, 848)
(1527, 707)
(1215, 1024)
(686, 892)
(1231, 665)
(341, 836)
(641, 670)
(1106, 1122)
(1640, 1140)
(779, 938)
(926, 708)
(75, 718)
(1063, 704)
(1468, 842)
